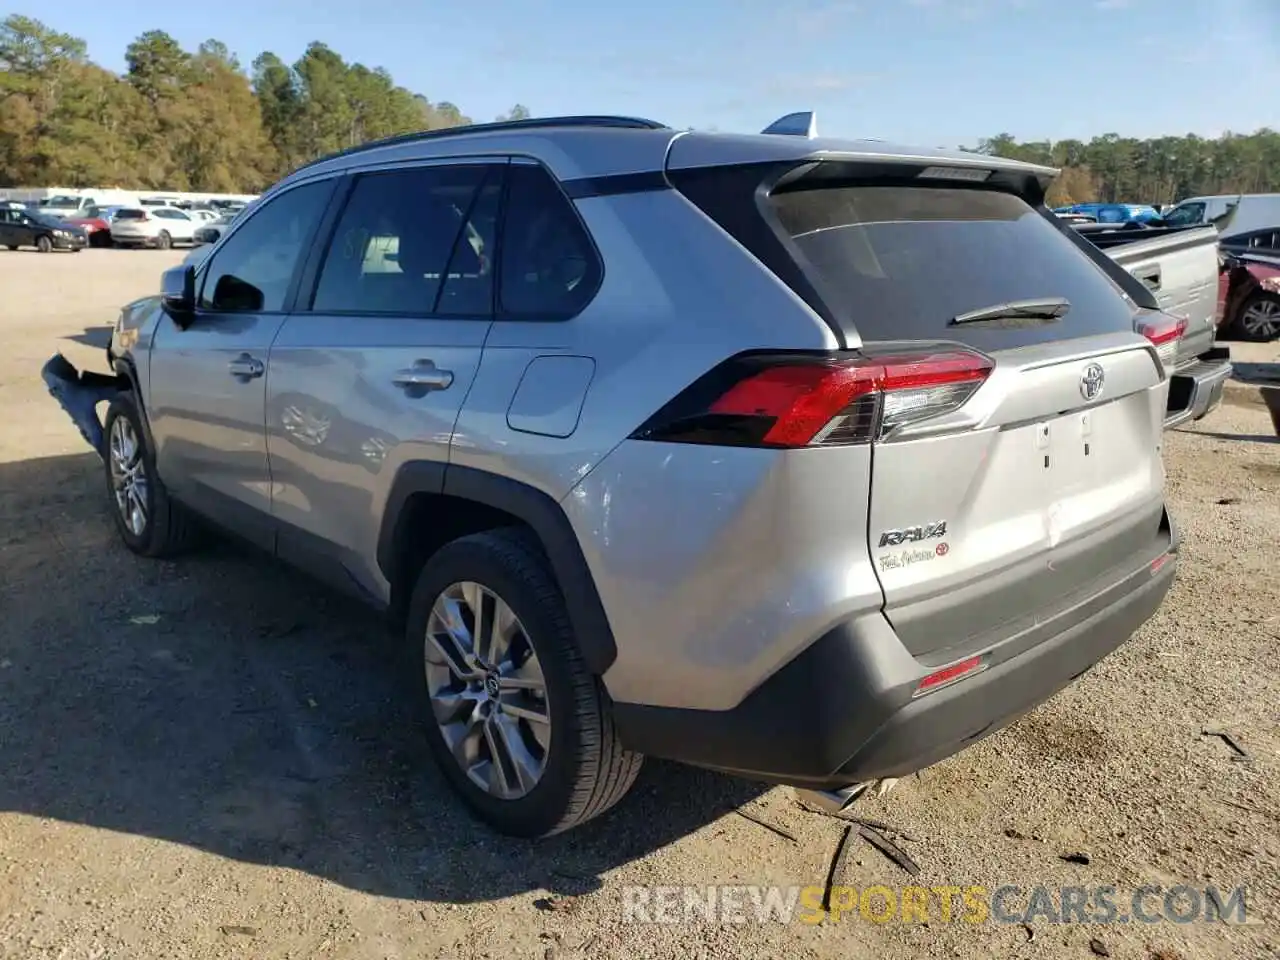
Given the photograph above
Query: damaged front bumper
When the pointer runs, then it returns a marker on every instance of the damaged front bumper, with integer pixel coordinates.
(79, 393)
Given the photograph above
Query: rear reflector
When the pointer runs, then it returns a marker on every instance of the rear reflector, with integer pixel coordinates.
(949, 675)
(1158, 563)
(798, 400)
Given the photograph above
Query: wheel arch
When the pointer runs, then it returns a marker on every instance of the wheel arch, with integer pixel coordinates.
(450, 501)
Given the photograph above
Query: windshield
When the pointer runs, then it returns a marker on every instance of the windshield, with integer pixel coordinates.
(61, 201)
(902, 261)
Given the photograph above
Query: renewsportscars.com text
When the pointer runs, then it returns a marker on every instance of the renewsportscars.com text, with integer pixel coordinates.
(946, 904)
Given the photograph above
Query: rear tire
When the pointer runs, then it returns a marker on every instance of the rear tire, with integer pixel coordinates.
(582, 769)
(150, 523)
(164, 241)
(44, 244)
(1258, 318)
(13, 246)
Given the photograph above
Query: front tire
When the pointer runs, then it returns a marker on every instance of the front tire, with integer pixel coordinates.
(517, 723)
(44, 244)
(164, 241)
(150, 523)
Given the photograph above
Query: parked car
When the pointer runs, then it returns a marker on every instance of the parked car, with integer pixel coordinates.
(1250, 211)
(159, 227)
(1112, 212)
(675, 464)
(1249, 295)
(66, 206)
(1179, 265)
(96, 223)
(29, 228)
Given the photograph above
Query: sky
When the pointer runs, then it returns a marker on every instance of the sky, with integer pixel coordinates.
(925, 72)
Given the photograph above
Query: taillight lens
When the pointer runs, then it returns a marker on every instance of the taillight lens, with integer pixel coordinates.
(1164, 331)
(800, 401)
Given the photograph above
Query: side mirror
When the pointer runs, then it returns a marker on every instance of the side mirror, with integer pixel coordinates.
(178, 294)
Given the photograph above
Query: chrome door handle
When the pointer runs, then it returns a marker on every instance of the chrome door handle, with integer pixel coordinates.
(246, 366)
(423, 375)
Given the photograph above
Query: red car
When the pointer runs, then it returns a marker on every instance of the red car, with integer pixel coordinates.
(1249, 295)
(96, 225)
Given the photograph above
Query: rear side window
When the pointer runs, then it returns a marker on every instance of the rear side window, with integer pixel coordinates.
(415, 242)
(1185, 214)
(901, 261)
(549, 266)
(128, 214)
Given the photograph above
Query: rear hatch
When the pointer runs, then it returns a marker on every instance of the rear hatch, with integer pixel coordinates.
(130, 222)
(1016, 468)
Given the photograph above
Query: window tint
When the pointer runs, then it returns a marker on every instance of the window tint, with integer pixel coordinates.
(415, 242)
(129, 213)
(252, 270)
(900, 262)
(172, 215)
(549, 266)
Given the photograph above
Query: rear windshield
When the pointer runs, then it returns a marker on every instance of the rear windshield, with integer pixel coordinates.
(130, 214)
(901, 261)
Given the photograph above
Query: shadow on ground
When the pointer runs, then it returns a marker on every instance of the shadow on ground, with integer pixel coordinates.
(226, 703)
(99, 336)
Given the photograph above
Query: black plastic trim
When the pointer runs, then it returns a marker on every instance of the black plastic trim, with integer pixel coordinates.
(540, 512)
(124, 366)
(644, 182)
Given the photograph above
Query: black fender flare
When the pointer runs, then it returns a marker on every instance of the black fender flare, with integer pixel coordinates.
(126, 371)
(540, 512)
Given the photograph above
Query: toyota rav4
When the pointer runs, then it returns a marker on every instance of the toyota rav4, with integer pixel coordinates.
(808, 460)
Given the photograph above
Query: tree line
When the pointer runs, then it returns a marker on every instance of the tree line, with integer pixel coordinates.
(187, 120)
(1112, 168)
(199, 120)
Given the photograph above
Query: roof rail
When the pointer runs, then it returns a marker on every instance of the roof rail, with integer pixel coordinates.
(803, 124)
(532, 123)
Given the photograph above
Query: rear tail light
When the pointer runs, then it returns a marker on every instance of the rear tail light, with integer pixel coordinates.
(1164, 331)
(792, 401)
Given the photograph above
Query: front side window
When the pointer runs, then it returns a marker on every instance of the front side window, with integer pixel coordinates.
(415, 242)
(252, 270)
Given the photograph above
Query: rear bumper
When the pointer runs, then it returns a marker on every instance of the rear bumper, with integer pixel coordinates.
(843, 712)
(1196, 389)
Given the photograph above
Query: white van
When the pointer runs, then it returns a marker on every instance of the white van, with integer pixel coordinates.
(1254, 211)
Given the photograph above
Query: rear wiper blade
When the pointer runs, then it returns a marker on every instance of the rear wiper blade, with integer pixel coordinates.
(1046, 309)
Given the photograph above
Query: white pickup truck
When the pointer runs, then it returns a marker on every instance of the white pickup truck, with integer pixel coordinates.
(1178, 268)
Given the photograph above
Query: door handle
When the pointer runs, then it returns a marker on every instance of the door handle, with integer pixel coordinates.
(246, 367)
(423, 375)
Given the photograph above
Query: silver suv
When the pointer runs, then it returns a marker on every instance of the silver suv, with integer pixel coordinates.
(804, 459)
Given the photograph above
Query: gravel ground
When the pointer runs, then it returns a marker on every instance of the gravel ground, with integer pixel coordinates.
(215, 758)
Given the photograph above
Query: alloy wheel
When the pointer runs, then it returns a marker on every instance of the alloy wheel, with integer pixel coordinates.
(128, 476)
(488, 695)
(1261, 319)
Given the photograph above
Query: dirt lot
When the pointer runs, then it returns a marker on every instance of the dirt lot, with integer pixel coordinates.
(215, 758)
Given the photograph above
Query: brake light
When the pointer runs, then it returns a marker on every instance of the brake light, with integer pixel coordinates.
(792, 401)
(1164, 331)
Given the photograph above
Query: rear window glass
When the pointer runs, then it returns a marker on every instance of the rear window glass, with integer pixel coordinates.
(130, 214)
(900, 262)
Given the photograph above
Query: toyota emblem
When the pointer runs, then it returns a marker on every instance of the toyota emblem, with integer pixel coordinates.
(1091, 381)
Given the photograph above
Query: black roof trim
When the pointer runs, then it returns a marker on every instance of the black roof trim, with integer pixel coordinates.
(533, 123)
